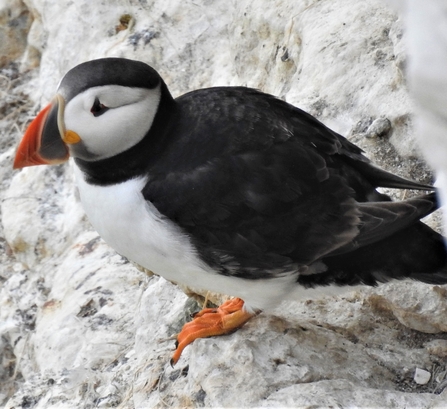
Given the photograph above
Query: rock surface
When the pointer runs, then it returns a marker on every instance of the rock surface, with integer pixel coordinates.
(81, 327)
(15, 21)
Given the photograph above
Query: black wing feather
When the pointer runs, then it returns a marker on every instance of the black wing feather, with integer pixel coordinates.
(263, 188)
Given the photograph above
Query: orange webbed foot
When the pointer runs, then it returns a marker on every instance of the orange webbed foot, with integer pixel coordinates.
(211, 322)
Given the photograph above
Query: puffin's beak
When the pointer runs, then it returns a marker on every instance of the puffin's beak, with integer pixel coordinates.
(45, 140)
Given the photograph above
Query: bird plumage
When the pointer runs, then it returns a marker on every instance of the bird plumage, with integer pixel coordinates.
(234, 190)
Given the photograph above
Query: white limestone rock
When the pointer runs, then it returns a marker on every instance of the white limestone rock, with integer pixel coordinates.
(80, 326)
(342, 394)
(422, 308)
(15, 21)
(437, 347)
(42, 214)
(421, 376)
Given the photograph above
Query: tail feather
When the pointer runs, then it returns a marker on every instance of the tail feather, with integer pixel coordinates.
(379, 220)
(381, 178)
(416, 252)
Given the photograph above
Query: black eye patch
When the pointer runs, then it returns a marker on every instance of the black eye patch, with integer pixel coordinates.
(97, 108)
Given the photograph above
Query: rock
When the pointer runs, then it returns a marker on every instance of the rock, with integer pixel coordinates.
(380, 127)
(15, 21)
(437, 347)
(420, 308)
(36, 235)
(81, 326)
(421, 376)
(341, 394)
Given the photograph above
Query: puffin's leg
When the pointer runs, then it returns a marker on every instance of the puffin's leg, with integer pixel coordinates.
(210, 322)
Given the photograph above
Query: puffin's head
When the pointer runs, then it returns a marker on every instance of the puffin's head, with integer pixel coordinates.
(102, 108)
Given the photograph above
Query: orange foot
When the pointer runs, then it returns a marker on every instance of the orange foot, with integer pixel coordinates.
(210, 322)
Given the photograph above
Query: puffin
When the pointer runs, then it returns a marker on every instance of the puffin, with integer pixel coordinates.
(231, 190)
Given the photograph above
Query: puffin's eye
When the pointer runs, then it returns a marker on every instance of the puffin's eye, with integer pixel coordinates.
(98, 108)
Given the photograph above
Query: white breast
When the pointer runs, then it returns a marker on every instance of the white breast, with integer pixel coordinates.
(136, 230)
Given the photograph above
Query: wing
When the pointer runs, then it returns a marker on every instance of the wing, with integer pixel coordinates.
(257, 211)
(261, 187)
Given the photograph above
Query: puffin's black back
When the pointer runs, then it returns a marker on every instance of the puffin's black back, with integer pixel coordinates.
(273, 189)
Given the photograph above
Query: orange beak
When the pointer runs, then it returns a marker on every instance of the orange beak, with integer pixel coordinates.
(42, 143)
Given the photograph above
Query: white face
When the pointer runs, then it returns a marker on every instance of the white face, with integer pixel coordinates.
(126, 118)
